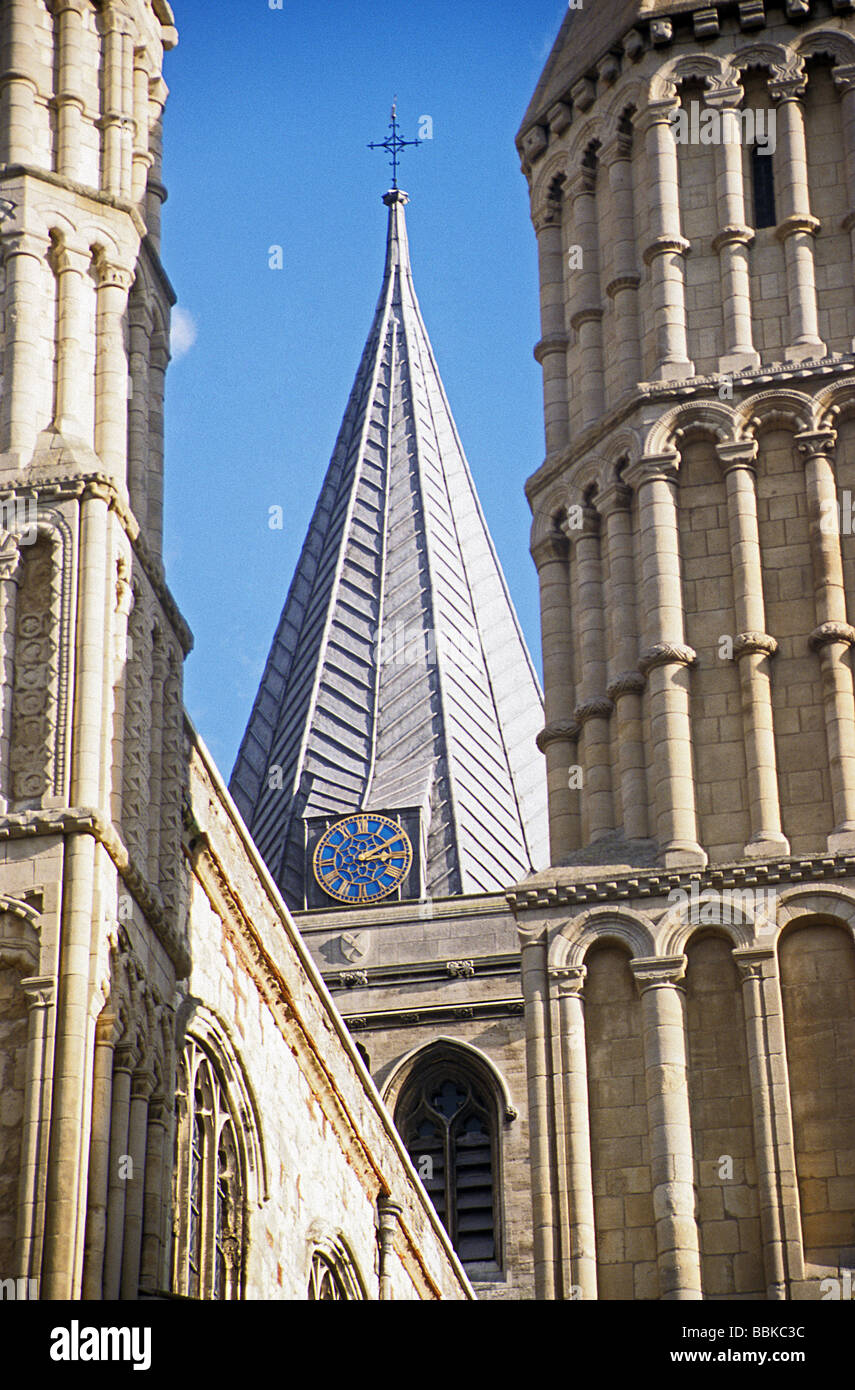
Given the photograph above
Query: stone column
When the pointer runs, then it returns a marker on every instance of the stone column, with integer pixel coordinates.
(535, 986)
(625, 683)
(665, 252)
(157, 364)
(142, 158)
(734, 236)
(767, 1073)
(753, 650)
(551, 351)
(117, 1184)
(558, 740)
(111, 368)
(73, 371)
(140, 325)
(141, 1088)
(18, 84)
(117, 121)
(833, 635)
(155, 191)
(581, 1255)
(671, 1157)
(10, 578)
(388, 1215)
(844, 80)
(39, 993)
(25, 256)
(107, 1033)
(158, 1170)
(586, 309)
(666, 659)
(622, 289)
(593, 711)
(68, 101)
(796, 226)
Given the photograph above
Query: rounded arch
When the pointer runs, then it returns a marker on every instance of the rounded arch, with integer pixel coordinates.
(626, 100)
(582, 134)
(549, 514)
(767, 409)
(712, 70)
(717, 911)
(621, 925)
(761, 54)
(828, 43)
(624, 443)
(712, 418)
(19, 935)
(438, 1049)
(834, 402)
(834, 906)
(555, 167)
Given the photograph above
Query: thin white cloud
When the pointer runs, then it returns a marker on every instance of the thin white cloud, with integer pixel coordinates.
(183, 333)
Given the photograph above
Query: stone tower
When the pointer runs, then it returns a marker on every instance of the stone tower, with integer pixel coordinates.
(183, 1111)
(91, 755)
(688, 962)
(399, 684)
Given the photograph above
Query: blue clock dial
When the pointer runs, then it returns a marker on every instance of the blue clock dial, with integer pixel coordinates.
(362, 858)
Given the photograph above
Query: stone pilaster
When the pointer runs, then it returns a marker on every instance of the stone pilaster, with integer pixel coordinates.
(111, 368)
(733, 238)
(107, 1034)
(593, 710)
(73, 372)
(667, 247)
(120, 1114)
(558, 739)
(753, 650)
(844, 79)
(117, 122)
(24, 256)
(535, 987)
(625, 683)
(10, 578)
(18, 84)
(551, 351)
(580, 1254)
(68, 101)
(617, 229)
(796, 226)
(158, 1172)
(833, 635)
(586, 309)
(39, 992)
(671, 1157)
(142, 1085)
(665, 660)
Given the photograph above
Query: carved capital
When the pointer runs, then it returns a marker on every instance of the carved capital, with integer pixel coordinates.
(109, 275)
(828, 633)
(39, 991)
(653, 468)
(799, 222)
(108, 1030)
(142, 1084)
(617, 497)
(843, 75)
(664, 246)
(626, 683)
(733, 235)
(748, 642)
(590, 315)
(788, 83)
(556, 731)
(549, 549)
(592, 709)
(622, 282)
(754, 962)
(552, 343)
(569, 980)
(588, 528)
(737, 453)
(666, 654)
(816, 443)
(656, 972)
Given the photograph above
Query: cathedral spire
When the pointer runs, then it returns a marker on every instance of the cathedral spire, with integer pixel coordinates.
(398, 680)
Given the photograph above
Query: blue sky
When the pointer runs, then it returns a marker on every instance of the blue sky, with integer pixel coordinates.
(268, 119)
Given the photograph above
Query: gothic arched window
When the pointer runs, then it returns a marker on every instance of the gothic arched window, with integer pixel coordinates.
(209, 1252)
(447, 1117)
(324, 1283)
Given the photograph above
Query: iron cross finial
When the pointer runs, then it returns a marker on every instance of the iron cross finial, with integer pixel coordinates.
(393, 143)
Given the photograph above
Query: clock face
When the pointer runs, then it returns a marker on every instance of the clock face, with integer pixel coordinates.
(362, 858)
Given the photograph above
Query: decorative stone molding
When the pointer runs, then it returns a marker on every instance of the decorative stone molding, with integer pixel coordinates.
(10, 559)
(592, 709)
(626, 683)
(738, 453)
(658, 971)
(557, 730)
(666, 654)
(799, 222)
(811, 443)
(549, 548)
(754, 642)
(788, 83)
(827, 633)
(587, 315)
(733, 236)
(663, 245)
(752, 14)
(350, 979)
(706, 23)
(463, 969)
(622, 282)
(569, 979)
(553, 342)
